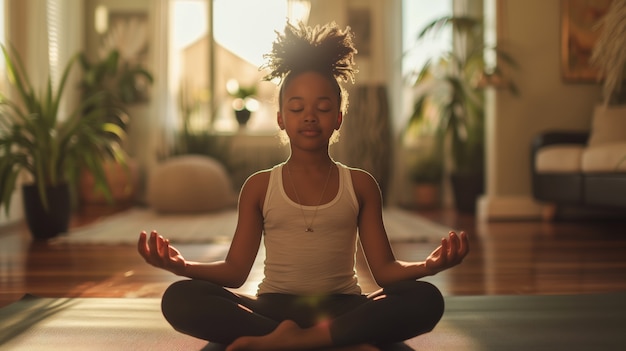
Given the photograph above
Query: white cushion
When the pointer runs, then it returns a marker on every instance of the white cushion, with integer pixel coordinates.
(190, 183)
(608, 125)
(559, 158)
(610, 157)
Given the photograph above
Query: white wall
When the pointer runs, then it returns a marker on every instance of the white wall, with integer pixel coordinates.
(531, 28)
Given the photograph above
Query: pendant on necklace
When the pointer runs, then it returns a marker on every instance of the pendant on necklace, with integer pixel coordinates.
(309, 230)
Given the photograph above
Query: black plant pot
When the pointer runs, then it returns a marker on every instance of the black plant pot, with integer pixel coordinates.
(45, 224)
(467, 187)
(242, 116)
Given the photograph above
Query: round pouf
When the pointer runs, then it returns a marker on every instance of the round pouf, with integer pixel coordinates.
(190, 183)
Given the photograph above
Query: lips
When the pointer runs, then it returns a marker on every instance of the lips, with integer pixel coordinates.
(311, 132)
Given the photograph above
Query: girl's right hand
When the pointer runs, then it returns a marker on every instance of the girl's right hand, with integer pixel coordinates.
(157, 251)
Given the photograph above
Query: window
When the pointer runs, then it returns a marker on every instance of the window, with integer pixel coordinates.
(416, 14)
(241, 37)
(189, 62)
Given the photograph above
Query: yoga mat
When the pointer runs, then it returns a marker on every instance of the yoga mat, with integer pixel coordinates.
(68, 324)
(524, 323)
(470, 323)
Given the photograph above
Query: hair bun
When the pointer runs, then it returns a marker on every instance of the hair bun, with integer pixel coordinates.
(327, 49)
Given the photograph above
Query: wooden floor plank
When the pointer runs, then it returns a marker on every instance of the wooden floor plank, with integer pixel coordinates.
(506, 258)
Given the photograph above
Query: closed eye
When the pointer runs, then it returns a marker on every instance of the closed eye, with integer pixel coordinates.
(324, 105)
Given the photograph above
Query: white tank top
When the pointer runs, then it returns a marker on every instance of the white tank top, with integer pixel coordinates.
(310, 263)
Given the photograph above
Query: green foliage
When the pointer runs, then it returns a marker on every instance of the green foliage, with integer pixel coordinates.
(48, 147)
(450, 87)
(427, 169)
(128, 83)
(243, 92)
(120, 84)
(199, 142)
(99, 78)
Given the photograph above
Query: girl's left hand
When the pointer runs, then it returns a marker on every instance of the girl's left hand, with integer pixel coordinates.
(449, 254)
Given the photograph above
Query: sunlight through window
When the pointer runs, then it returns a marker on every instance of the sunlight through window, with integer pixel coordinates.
(247, 27)
(243, 31)
(191, 19)
(416, 14)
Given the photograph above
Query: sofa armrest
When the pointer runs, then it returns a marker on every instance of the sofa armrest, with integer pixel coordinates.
(555, 137)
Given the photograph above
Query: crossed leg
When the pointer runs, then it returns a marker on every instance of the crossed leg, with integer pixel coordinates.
(279, 322)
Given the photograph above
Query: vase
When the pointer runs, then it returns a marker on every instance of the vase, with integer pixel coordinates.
(47, 223)
(467, 188)
(426, 195)
(123, 183)
(243, 116)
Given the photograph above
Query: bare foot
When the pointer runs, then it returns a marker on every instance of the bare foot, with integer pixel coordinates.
(289, 336)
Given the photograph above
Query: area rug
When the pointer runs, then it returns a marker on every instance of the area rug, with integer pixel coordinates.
(470, 323)
(124, 228)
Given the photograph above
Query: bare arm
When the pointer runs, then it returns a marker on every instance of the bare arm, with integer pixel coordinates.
(234, 269)
(385, 268)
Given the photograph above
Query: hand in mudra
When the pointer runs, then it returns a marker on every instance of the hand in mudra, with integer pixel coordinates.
(158, 252)
(449, 254)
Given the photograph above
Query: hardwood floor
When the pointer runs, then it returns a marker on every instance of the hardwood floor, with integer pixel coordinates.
(526, 257)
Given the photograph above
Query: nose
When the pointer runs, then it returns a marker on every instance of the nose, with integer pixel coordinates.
(310, 116)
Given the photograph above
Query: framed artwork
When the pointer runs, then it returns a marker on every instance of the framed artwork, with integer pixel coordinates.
(579, 32)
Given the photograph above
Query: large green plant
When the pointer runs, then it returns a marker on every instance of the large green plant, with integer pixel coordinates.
(120, 83)
(51, 148)
(449, 91)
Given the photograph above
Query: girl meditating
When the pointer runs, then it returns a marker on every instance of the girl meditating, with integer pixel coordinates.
(310, 212)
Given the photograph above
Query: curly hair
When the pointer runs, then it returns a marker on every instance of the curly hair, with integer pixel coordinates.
(326, 49)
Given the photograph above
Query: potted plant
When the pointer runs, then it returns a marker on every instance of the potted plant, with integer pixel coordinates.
(122, 84)
(244, 102)
(49, 148)
(426, 174)
(449, 91)
(190, 140)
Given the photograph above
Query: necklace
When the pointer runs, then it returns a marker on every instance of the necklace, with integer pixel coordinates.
(309, 226)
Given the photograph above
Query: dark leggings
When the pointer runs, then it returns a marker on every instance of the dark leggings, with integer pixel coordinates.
(393, 314)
